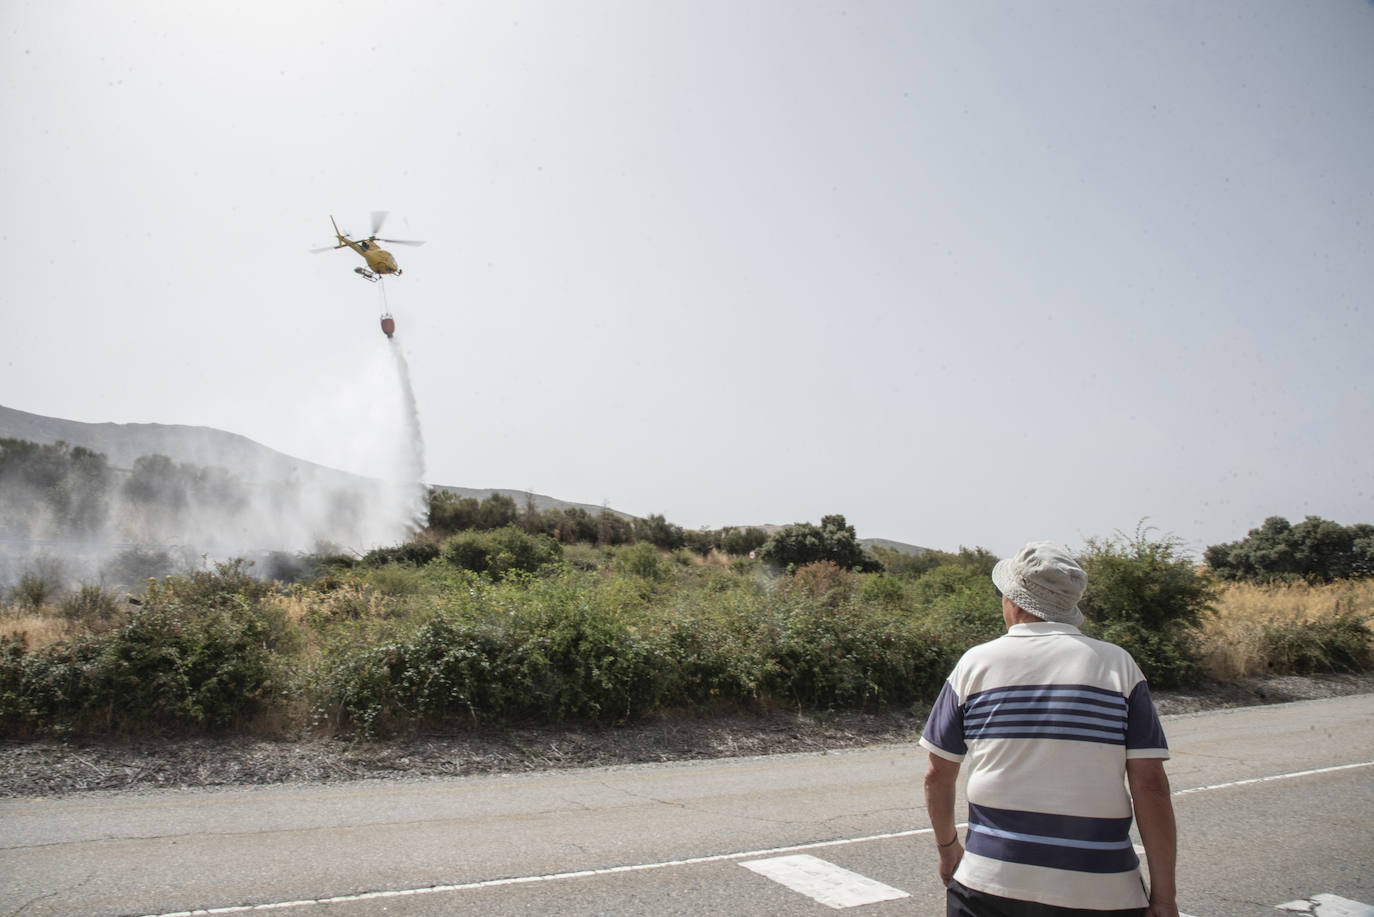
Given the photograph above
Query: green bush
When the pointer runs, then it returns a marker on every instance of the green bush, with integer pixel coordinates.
(502, 551)
(960, 602)
(567, 652)
(881, 589)
(836, 658)
(198, 653)
(411, 554)
(586, 647)
(643, 560)
(900, 563)
(1144, 596)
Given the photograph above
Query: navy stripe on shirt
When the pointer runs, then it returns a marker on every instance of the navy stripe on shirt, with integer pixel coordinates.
(1075, 712)
(1072, 842)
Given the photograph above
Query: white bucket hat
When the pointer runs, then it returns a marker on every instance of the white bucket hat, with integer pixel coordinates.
(1044, 580)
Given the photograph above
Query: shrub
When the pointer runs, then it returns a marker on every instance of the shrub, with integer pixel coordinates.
(411, 554)
(881, 589)
(1145, 596)
(901, 563)
(34, 590)
(91, 607)
(1336, 643)
(503, 551)
(197, 653)
(823, 581)
(959, 601)
(643, 560)
(834, 658)
(568, 652)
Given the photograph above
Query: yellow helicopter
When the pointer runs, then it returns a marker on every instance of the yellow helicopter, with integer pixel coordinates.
(379, 260)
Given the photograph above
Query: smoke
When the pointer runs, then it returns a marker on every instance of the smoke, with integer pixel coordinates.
(220, 496)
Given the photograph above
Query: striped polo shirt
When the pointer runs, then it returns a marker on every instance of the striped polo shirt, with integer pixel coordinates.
(1047, 718)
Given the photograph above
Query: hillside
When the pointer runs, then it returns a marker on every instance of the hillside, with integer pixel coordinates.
(123, 443)
(258, 465)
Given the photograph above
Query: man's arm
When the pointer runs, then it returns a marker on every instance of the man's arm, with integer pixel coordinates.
(939, 785)
(1154, 816)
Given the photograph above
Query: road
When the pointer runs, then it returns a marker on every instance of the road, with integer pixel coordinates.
(1274, 806)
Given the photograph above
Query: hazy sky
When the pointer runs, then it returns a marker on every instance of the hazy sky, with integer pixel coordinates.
(968, 273)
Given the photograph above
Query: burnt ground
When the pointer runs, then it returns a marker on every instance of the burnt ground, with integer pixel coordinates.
(53, 767)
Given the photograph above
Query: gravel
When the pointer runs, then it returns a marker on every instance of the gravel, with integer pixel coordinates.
(55, 767)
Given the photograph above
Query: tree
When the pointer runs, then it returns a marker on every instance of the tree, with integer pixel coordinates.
(570, 525)
(612, 529)
(741, 541)
(833, 540)
(1316, 549)
(450, 513)
(659, 532)
(498, 511)
(531, 520)
(52, 490)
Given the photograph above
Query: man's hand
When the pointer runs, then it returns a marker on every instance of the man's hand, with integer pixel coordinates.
(1162, 910)
(949, 861)
(940, 807)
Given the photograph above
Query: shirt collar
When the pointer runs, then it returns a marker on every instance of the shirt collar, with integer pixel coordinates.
(1040, 629)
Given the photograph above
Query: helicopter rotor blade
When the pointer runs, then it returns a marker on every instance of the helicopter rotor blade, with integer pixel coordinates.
(401, 241)
(378, 218)
(320, 251)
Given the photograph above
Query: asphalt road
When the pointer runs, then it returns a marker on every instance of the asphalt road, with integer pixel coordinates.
(1274, 805)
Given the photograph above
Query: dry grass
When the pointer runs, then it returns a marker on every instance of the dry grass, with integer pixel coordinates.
(40, 627)
(1232, 644)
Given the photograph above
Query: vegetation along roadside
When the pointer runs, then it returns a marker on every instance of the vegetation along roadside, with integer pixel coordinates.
(499, 640)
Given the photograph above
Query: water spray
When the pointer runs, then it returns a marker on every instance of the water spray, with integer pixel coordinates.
(411, 454)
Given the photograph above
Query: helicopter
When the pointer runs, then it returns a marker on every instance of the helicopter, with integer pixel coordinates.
(379, 260)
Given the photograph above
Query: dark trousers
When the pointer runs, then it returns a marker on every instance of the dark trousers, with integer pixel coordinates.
(965, 902)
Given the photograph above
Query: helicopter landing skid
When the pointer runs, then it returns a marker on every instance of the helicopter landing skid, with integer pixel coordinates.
(365, 274)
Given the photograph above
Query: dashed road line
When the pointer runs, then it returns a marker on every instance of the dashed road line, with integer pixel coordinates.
(831, 885)
(1328, 906)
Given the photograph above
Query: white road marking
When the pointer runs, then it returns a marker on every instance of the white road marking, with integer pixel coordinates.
(1226, 786)
(693, 861)
(831, 885)
(1328, 906)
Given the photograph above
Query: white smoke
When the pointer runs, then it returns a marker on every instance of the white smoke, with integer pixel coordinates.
(205, 506)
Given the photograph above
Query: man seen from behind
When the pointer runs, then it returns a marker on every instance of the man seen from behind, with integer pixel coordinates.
(1054, 725)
